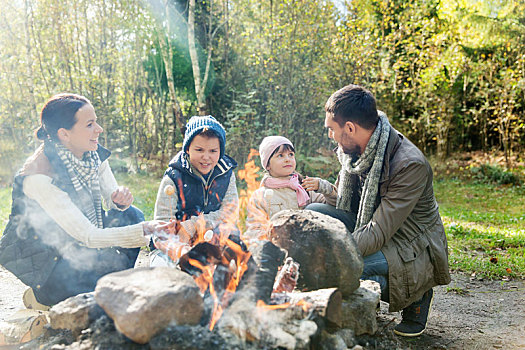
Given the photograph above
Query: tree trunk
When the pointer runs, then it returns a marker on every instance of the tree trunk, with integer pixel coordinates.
(29, 62)
(167, 57)
(199, 89)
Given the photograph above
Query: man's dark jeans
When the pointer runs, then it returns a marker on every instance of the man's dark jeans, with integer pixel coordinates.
(74, 276)
(376, 266)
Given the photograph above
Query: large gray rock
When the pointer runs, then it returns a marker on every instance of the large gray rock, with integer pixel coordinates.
(359, 309)
(322, 245)
(144, 301)
(75, 313)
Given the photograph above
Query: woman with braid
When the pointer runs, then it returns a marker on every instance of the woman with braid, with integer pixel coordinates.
(59, 240)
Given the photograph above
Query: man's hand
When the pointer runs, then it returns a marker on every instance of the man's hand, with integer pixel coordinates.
(311, 183)
(122, 197)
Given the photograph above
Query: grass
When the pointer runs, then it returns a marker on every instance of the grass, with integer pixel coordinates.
(485, 223)
(144, 189)
(485, 226)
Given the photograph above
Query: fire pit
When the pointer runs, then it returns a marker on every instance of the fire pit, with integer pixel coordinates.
(295, 288)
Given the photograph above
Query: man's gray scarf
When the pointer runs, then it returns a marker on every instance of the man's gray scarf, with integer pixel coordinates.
(371, 159)
(84, 176)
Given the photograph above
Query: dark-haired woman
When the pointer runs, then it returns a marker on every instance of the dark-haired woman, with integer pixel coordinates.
(59, 240)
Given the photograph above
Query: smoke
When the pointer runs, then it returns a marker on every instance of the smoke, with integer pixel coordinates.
(36, 224)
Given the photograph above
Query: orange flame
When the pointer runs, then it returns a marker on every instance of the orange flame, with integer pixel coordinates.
(205, 280)
(262, 305)
(242, 264)
(200, 225)
(181, 193)
(241, 267)
(249, 174)
(304, 304)
(301, 303)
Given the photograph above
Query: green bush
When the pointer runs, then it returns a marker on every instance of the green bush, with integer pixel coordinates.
(319, 166)
(11, 159)
(118, 165)
(487, 173)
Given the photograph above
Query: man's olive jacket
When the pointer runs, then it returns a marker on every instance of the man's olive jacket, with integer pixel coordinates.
(406, 225)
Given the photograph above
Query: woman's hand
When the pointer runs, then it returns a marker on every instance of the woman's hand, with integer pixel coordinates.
(311, 183)
(122, 197)
(158, 227)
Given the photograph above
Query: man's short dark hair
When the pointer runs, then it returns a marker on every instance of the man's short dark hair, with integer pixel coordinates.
(353, 103)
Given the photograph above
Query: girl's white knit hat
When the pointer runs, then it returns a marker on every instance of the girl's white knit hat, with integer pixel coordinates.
(268, 145)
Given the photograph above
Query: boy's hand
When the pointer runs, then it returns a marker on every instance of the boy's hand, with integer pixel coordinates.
(184, 236)
(311, 183)
(122, 197)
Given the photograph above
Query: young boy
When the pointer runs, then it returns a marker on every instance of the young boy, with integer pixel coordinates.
(198, 188)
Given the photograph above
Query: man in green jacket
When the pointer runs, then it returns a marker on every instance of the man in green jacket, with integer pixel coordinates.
(386, 199)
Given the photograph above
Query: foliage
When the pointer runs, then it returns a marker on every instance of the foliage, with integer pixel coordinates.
(450, 74)
(318, 166)
(495, 174)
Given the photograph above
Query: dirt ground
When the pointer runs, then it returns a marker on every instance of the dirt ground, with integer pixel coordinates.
(469, 314)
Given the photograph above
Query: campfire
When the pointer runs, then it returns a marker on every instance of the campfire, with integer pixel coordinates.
(282, 290)
(218, 262)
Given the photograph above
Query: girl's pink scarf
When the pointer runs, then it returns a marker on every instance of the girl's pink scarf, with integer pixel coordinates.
(293, 183)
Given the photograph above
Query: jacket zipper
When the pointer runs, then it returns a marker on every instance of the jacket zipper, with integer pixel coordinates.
(205, 188)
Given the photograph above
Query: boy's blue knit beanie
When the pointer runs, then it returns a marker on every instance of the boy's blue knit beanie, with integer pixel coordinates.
(198, 124)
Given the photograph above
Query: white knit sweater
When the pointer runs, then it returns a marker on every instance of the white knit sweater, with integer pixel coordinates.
(58, 205)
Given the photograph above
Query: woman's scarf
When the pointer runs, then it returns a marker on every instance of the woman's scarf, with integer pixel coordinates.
(84, 176)
(371, 159)
(293, 183)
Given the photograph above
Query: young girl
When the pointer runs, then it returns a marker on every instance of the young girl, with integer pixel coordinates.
(281, 187)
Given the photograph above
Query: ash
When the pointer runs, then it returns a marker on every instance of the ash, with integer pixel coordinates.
(196, 338)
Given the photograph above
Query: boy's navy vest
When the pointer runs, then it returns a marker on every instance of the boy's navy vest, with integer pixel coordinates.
(23, 248)
(196, 194)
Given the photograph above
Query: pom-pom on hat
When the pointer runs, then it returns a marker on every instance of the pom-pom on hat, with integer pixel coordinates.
(198, 124)
(268, 145)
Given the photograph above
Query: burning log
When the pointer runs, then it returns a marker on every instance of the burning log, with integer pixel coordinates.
(286, 279)
(218, 271)
(322, 245)
(259, 280)
(271, 327)
(324, 303)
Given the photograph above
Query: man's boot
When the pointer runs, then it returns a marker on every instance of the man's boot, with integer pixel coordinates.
(415, 316)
